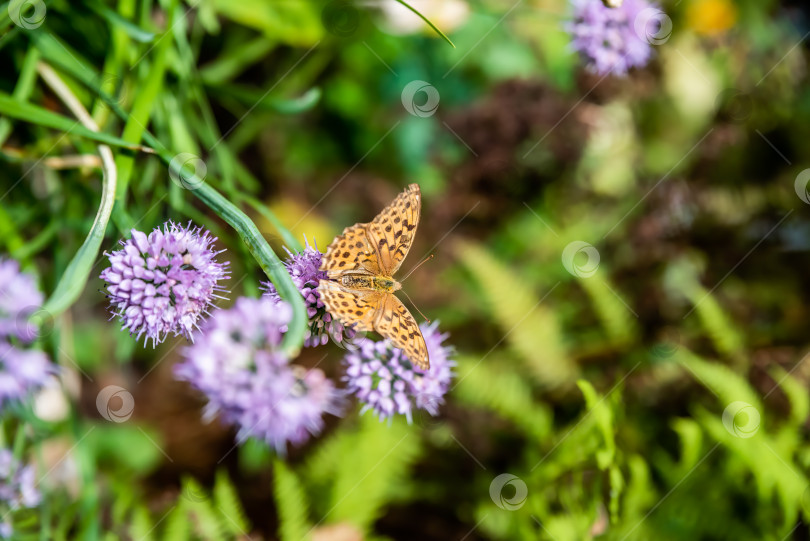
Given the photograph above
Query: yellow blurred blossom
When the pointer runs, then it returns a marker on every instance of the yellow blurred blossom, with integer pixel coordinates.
(710, 17)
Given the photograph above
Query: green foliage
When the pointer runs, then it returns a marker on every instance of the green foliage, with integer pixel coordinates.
(529, 327)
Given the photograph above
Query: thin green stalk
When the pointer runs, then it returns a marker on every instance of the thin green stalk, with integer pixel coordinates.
(430, 24)
(72, 281)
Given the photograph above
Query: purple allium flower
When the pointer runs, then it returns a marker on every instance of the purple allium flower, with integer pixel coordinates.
(386, 381)
(22, 370)
(19, 298)
(304, 267)
(250, 383)
(613, 40)
(164, 282)
(17, 482)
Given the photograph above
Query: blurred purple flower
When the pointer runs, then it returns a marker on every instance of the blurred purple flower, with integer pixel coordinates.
(19, 299)
(17, 482)
(385, 380)
(22, 370)
(613, 40)
(164, 282)
(250, 383)
(304, 267)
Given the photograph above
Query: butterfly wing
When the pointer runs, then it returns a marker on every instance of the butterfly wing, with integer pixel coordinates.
(391, 233)
(396, 323)
(351, 306)
(350, 251)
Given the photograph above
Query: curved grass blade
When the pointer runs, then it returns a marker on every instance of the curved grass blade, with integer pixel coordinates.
(430, 24)
(288, 238)
(78, 270)
(266, 257)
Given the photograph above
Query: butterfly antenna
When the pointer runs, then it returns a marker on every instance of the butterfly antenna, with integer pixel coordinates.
(414, 304)
(428, 258)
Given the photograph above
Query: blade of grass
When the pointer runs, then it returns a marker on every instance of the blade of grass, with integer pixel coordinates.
(72, 281)
(37, 115)
(23, 88)
(430, 24)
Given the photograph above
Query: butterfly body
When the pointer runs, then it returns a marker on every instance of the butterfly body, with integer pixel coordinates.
(361, 263)
(370, 282)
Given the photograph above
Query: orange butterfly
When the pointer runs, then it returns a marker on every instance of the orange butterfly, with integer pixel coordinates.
(361, 264)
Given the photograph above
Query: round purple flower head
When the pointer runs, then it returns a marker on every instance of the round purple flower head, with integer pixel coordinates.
(303, 268)
(17, 482)
(613, 40)
(22, 370)
(164, 282)
(250, 383)
(383, 378)
(19, 299)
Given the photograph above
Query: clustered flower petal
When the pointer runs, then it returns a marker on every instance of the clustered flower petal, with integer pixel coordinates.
(383, 378)
(304, 269)
(237, 364)
(17, 487)
(164, 282)
(23, 369)
(613, 39)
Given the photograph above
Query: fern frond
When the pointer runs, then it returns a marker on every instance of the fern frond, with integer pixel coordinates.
(381, 455)
(207, 523)
(178, 526)
(530, 327)
(291, 502)
(493, 386)
(617, 319)
(226, 501)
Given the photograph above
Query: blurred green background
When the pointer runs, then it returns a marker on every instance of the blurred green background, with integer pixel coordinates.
(659, 392)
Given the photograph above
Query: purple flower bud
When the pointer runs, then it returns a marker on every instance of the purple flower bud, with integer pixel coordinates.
(164, 282)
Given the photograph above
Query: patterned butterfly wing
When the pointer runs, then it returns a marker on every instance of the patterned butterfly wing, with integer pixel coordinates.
(391, 233)
(350, 252)
(396, 323)
(350, 306)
